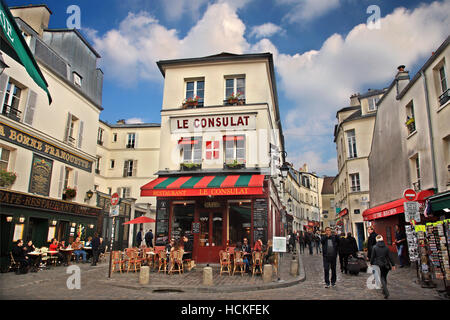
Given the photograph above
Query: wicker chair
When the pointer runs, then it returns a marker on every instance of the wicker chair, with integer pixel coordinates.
(257, 262)
(147, 257)
(162, 261)
(225, 261)
(45, 258)
(133, 259)
(118, 260)
(176, 259)
(239, 262)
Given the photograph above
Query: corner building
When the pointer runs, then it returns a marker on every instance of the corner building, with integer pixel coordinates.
(218, 178)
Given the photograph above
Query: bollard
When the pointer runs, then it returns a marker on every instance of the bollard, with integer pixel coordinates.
(207, 276)
(294, 267)
(144, 275)
(267, 273)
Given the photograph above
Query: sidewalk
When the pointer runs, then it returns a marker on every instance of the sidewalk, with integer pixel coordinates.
(192, 281)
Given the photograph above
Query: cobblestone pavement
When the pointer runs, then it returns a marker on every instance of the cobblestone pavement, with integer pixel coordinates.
(51, 284)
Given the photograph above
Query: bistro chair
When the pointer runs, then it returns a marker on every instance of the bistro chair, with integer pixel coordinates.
(13, 266)
(149, 258)
(133, 259)
(176, 259)
(118, 262)
(162, 261)
(257, 262)
(45, 258)
(224, 258)
(239, 262)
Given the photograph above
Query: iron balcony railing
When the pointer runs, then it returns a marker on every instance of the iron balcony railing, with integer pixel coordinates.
(443, 98)
(11, 112)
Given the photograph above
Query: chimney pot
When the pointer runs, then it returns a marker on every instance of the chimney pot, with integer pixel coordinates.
(401, 68)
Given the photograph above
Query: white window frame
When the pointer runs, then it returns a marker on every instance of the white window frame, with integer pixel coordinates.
(192, 158)
(195, 93)
(126, 192)
(356, 182)
(235, 89)
(77, 79)
(130, 168)
(9, 157)
(373, 103)
(443, 80)
(351, 143)
(133, 140)
(10, 87)
(100, 135)
(235, 150)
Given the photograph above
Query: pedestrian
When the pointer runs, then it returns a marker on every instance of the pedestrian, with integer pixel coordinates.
(301, 241)
(95, 243)
(371, 241)
(309, 241)
(149, 238)
(139, 238)
(341, 237)
(330, 246)
(380, 257)
(317, 242)
(347, 248)
(400, 241)
(292, 242)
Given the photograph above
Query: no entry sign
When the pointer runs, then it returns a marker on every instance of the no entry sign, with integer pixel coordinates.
(115, 199)
(409, 194)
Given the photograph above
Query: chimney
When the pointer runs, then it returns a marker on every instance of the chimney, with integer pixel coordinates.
(354, 100)
(121, 121)
(402, 78)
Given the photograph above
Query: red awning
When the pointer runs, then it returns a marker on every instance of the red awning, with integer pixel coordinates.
(204, 186)
(343, 213)
(392, 208)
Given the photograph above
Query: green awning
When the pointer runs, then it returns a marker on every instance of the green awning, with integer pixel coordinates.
(440, 201)
(14, 38)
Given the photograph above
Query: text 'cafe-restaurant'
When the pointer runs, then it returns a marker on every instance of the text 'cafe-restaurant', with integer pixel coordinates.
(214, 211)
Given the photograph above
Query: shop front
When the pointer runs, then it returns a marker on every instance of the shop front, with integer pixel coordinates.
(214, 212)
(40, 219)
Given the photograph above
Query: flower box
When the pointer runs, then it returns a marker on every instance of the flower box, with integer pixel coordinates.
(70, 193)
(190, 166)
(7, 178)
(234, 165)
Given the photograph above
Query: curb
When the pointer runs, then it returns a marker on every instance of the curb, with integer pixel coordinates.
(214, 289)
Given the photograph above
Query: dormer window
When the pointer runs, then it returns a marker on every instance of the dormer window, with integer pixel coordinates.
(77, 79)
(373, 103)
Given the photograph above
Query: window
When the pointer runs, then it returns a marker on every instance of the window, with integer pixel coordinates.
(417, 169)
(12, 101)
(77, 79)
(67, 175)
(373, 103)
(100, 136)
(212, 150)
(130, 168)
(131, 140)
(114, 137)
(196, 89)
(235, 86)
(357, 211)
(109, 190)
(74, 127)
(234, 149)
(443, 79)
(112, 164)
(351, 139)
(126, 192)
(191, 149)
(4, 159)
(355, 182)
(97, 165)
(410, 118)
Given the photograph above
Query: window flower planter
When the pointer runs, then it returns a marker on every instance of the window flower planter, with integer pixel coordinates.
(70, 193)
(190, 166)
(191, 102)
(7, 178)
(234, 165)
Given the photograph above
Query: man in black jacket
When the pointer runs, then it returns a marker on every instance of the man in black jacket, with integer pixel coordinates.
(149, 239)
(18, 252)
(381, 258)
(371, 241)
(330, 247)
(139, 238)
(188, 247)
(95, 249)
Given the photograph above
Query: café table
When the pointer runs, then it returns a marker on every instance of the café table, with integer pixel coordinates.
(35, 255)
(51, 253)
(67, 255)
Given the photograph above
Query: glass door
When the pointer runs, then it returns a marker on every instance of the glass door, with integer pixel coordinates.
(211, 238)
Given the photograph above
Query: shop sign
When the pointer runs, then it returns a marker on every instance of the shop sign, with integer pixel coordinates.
(279, 244)
(205, 192)
(212, 204)
(41, 175)
(40, 146)
(213, 123)
(28, 201)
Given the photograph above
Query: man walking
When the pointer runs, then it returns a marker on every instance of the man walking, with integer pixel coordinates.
(400, 240)
(309, 241)
(95, 249)
(371, 242)
(139, 238)
(330, 245)
(149, 239)
(381, 258)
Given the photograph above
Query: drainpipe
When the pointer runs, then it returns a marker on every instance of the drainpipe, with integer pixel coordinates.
(430, 130)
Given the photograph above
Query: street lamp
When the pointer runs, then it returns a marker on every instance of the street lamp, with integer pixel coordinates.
(284, 170)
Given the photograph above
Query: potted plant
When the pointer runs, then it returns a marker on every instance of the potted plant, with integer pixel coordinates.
(234, 164)
(7, 178)
(409, 121)
(235, 99)
(70, 193)
(191, 102)
(190, 166)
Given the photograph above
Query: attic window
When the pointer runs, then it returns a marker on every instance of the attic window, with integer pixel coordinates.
(77, 79)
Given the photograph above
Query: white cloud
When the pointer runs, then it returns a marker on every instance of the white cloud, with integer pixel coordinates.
(266, 30)
(303, 11)
(134, 121)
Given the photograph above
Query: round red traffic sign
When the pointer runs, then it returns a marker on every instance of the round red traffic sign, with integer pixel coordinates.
(409, 194)
(115, 199)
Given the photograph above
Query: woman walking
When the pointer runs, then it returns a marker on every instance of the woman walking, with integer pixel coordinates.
(380, 257)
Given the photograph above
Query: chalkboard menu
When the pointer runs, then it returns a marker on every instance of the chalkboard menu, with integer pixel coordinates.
(260, 219)
(162, 222)
(41, 175)
(195, 227)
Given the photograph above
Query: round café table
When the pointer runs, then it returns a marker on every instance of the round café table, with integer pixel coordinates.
(35, 256)
(67, 255)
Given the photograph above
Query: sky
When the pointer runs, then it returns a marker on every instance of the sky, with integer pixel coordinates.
(324, 51)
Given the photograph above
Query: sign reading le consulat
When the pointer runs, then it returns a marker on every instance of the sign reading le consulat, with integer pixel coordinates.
(27, 141)
(213, 123)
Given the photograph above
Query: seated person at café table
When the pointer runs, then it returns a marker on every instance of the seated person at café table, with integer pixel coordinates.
(187, 248)
(269, 256)
(88, 244)
(247, 254)
(258, 245)
(30, 247)
(77, 246)
(54, 246)
(18, 252)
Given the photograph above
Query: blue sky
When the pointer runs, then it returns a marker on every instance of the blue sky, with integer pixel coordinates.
(323, 50)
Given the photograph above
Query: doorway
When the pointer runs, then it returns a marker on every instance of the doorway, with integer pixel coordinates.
(212, 236)
(360, 234)
(37, 232)
(62, 231)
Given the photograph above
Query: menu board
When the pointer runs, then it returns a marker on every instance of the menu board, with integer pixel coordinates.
(162, 222)
(260, 208)
(195, 227)
(41, 176)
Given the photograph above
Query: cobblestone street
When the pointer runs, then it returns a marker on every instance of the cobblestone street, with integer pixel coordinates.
(51, 284)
